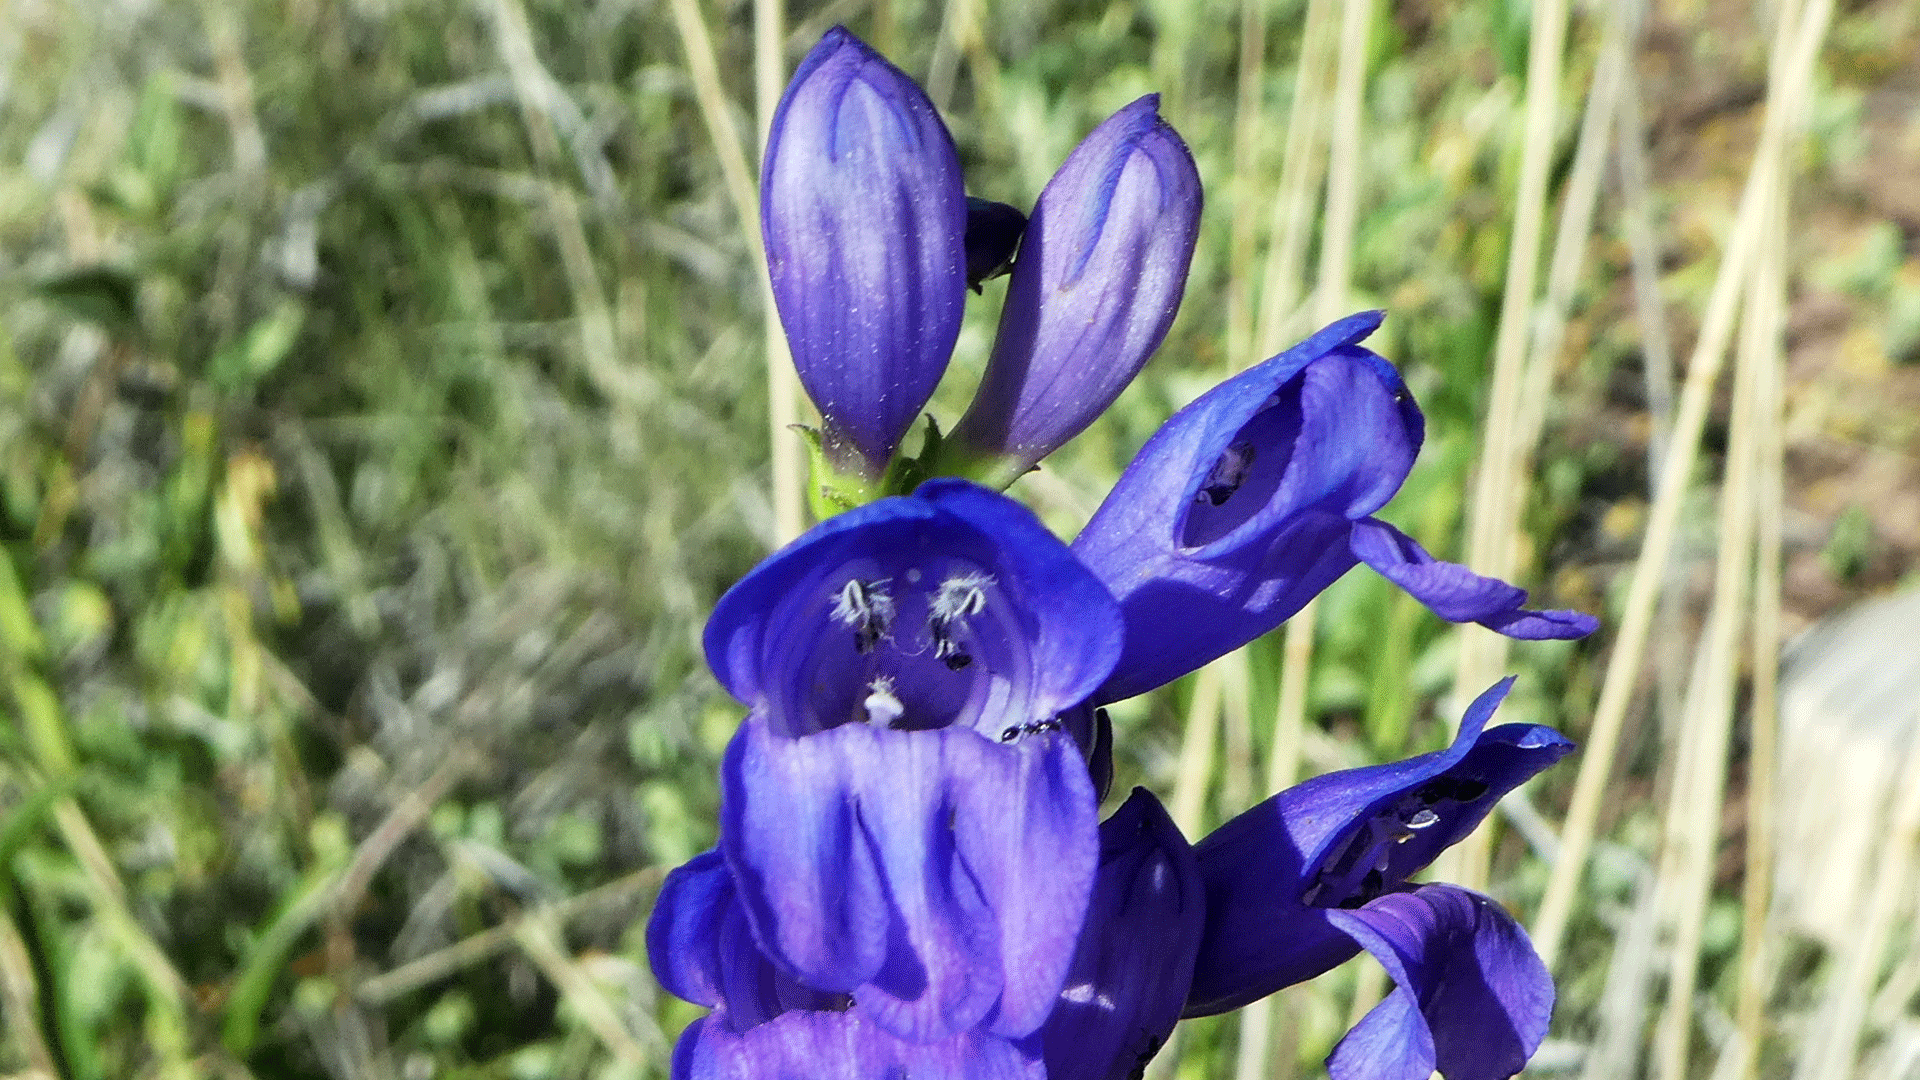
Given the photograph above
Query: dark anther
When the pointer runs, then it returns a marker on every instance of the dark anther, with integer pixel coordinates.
(1010, 734)
(1228, 473)
(957, 660)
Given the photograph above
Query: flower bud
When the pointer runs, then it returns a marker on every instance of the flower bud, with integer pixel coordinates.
(864, 220)
(1096, 285)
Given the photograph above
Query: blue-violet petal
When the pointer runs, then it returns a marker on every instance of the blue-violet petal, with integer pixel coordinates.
(1130, 971)
(1456, 593)
(864, 219)
(1099, 278)
(1472, 999)
(936, 876)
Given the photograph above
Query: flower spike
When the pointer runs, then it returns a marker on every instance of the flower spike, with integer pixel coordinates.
(865, 221)
(1099, 278)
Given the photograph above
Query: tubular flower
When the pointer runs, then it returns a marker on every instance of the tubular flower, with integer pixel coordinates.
(907, 816)
(1121, 995)
(1099, 278)
(1253, 499)
(1310, 877)
(865, 222)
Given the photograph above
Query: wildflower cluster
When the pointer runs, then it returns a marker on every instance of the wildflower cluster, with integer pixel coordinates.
(912, 877)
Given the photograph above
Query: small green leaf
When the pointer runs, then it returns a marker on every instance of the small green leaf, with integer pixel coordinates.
(107, 296)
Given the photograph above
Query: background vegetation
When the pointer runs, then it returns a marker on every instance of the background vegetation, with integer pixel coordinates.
(383, 404)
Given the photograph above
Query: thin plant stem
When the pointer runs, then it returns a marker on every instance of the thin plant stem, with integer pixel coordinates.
(1248, 126)
(1500, 482)
(1840, 1019)
(1764, 720)
(1301, 169)
(538, 939)
(1196, 752)
(1656, 351)
(787, 471)
(1788, 88)
(437, 965)
(1691, 845)
(782, 397)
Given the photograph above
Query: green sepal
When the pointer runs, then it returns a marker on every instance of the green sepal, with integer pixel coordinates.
(830, 491)
(906, 473)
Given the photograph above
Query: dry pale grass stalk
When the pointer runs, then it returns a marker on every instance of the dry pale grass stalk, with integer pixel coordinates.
(20, 991)
(1791, 74)
(1301, 168)
(541, 943)
(441, 963)
(1764, 719)
(1248, 127)
(1690, 843)
(1615, 1049)
(789, 477)
(1188, 809)
(1500, 482)
(1840, 1020)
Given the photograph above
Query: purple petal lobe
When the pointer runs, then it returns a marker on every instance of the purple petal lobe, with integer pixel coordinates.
(683, 933)
(1473, 999)
(954, 606)
(843, 1046)
(934, 875)
(1340, 840)
(702, 949)
(1238, 510)
(864, 220)
(1456, 593)
(1097, 283)
(1135, 957)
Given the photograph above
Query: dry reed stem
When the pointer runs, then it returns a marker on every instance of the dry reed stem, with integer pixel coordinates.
(538, 939)
(1764, 718)
(1839, 1022)
(1300, 172)
(1501, 481)
(1690, 843)
(1615, 1049)
(1196, 751)
(1656, 351)
(788, 472)
(441, 963)
(787, 478)
(1788, 87)
(944, 69)
(1248, 126)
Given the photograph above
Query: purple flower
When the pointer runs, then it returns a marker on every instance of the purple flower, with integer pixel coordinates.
(1250, 501)
(904, 817)
(1099, 278)
(1280, 894)
(865, 221)
(1313, 875)
(1121, 995)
